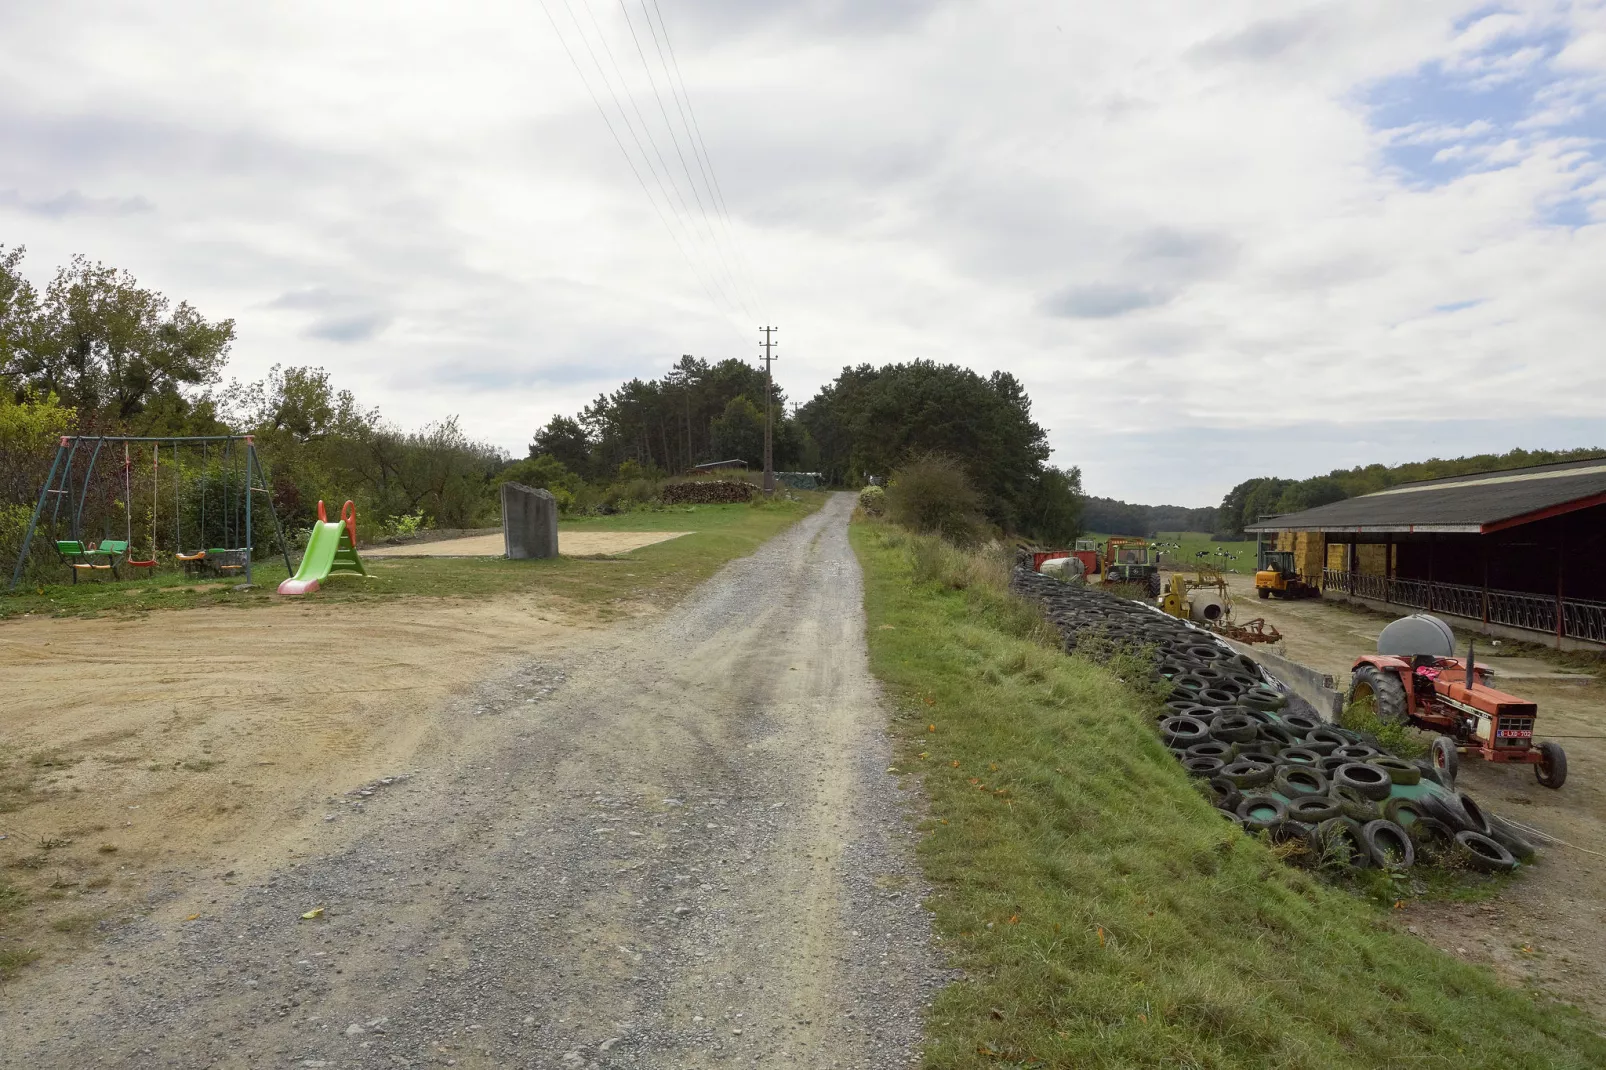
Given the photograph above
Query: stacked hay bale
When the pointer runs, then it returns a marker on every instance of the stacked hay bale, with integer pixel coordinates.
(707, 492)
(1333, 796)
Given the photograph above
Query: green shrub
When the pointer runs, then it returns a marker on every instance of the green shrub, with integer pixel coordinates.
(873, 500)
(932, 495)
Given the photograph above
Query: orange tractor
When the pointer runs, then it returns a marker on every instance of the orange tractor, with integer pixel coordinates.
(1414, 680)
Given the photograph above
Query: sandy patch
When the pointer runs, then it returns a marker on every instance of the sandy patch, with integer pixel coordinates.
(142, 750)
(570, 544)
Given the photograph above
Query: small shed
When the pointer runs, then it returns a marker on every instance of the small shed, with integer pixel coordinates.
(1519, 553)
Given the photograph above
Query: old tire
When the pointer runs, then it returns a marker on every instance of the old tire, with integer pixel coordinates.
(1506, 835)
(1248, 773)
(1388, 845)
(1552, 767)
(1313, 809)
(1399, 770)
(1369, 780)
(1262, 812)
(1446, 759)
(1355, 806)
(1293, 781)
(1383, 690)
(1338, 841)
(1483, 853)
(1263, 592)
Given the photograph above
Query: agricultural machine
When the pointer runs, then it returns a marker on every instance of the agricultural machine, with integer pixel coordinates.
(1413, 679)
(1126, 560)
(1204, 600)
(1277, 576)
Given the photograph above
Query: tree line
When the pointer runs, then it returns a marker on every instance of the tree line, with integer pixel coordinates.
(94, 352)
(1109, 516)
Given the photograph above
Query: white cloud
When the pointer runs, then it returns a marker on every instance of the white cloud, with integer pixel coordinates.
(1155, 214)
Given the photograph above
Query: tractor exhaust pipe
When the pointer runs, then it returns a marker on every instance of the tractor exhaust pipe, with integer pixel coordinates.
(1471, 647)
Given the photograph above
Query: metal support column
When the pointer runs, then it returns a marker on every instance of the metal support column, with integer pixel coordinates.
(33, 521)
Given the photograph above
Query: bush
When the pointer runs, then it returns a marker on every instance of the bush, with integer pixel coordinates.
(873, 500)
(932, 495)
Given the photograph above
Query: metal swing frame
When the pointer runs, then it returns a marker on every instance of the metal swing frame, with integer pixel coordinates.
(59, 489)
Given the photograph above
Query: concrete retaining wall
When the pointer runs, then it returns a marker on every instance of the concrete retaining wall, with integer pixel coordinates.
(1316, 688)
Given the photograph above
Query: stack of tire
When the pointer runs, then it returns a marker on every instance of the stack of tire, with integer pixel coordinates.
(1334, 797)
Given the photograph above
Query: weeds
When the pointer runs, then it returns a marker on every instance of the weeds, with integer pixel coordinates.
(12, 961)
(1394, 736)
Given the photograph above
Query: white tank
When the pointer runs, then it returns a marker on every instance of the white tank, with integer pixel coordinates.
(1420, 633)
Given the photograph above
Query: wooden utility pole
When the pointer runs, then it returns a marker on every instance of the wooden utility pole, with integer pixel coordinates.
(769, 395)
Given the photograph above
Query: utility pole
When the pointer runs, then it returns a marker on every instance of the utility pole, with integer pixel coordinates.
(769, 395)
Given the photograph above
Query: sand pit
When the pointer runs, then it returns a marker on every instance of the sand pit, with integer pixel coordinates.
(570, 544)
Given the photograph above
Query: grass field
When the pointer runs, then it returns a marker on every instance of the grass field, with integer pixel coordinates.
(661, 571)
(1102, 913)
(1190, 543)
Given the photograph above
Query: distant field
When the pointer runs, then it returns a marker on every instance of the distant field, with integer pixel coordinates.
(1181, 548)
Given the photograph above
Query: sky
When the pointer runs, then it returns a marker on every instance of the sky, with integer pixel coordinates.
(1214, 241)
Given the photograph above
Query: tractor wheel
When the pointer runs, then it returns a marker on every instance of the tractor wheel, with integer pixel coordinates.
(1447, 760)
(1264, 592)
(1383, 690)
(1552, 767)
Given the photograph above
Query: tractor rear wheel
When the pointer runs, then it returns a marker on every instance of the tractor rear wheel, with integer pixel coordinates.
(1552, 767)
(1382, 690)
(1447, 760)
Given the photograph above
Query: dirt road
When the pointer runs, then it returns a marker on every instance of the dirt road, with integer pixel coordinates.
(686, 854)
(1545, 929)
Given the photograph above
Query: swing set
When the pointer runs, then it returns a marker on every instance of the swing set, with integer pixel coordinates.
(230, 472)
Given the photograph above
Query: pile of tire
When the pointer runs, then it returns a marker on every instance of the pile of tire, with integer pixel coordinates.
(1333, 797)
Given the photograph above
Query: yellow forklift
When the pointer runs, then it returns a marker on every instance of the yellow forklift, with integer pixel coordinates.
(1277, 576)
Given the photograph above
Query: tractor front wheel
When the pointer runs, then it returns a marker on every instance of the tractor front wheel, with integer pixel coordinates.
(1446, 759)
(1552, 767)
(1382, 690)
(1264, 592)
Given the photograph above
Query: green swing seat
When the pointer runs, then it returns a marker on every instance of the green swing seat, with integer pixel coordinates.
(102, 558)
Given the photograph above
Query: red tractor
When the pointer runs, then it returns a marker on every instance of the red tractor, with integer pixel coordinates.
(1414, 680)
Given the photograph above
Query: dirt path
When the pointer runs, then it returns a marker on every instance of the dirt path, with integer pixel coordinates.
(1545, 929)
(688, 854)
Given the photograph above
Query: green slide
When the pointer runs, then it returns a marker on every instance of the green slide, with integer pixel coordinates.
(329, 549)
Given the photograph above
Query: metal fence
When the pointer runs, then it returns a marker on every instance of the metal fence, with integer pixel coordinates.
(1579, 619)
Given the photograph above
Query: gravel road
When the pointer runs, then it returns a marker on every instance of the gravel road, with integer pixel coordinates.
(679, 849)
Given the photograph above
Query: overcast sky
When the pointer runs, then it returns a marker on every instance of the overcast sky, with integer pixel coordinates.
(1214, 240)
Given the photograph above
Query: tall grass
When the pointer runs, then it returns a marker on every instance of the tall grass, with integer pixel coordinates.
(1102, 913)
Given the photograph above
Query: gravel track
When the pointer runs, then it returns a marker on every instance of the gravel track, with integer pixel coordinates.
(681, 849)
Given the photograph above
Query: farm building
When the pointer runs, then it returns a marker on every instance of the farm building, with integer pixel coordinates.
(1520, 553)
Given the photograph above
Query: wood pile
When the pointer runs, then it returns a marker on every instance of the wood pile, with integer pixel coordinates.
(707, 492)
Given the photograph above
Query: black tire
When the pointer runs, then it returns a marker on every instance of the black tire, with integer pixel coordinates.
(1433, 838)
(1263, 592)
(1246, 773)
(1297, 780)
(1339, 844)
(1483, 853)
(1301, 756)
(1552, 768)
(1403, 812)
(1383, 690)
(1506, 835)
(1217, 696)
(1201, 766)
(1399, 770)
(1446, 759)
(1328, 738)
(1369, 780)
(1230, 816)
(1313, 809)
(1389, 845)
(1235, 728)
(1183, 731)
(1356, 752)
(1301, 725)
(1355, 806)
(1213, 748)
(1262, 812)
(1264, 697)
(1278, 734)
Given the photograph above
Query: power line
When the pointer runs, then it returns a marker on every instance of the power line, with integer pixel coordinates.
(711, 175)
(697, 271)
(629, 126)
(675, 139)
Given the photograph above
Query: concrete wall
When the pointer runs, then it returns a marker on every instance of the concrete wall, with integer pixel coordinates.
(1320, 690)
(529, 522)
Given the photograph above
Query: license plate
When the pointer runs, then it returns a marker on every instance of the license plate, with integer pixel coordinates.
(1515, 733)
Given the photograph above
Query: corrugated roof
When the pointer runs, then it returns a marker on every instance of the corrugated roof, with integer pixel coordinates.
(1480, 502)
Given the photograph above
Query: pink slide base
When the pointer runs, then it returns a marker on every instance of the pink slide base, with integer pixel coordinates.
(298, 586)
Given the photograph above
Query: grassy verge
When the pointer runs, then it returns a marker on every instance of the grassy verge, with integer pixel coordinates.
(1103, 914)
(661, 572)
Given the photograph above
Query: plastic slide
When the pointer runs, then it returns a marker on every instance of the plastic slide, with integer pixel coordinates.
(332, 547)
